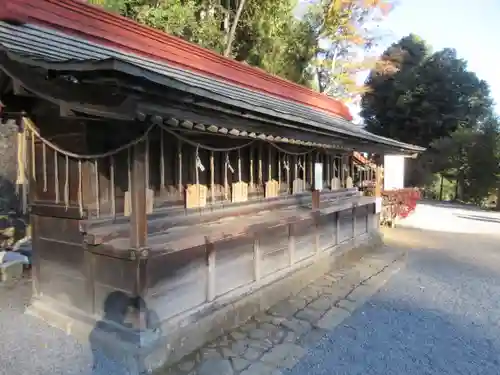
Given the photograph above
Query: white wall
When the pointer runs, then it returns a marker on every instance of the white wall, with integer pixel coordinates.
(394, 172)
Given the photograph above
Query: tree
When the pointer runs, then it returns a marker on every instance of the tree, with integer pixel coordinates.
(469, 157)
(431, 99)
(482, 175)
(232, 31)
(262, 33)
(417, 96)
(347, 29)
(271, 38)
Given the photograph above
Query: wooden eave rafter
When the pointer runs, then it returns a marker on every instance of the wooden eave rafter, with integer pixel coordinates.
(133, 99)
(99, 30)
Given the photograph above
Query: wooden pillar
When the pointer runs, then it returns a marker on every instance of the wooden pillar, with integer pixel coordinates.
(33, 218)
(315, 199)
(138, 219)
(378, 193)
(378, 181)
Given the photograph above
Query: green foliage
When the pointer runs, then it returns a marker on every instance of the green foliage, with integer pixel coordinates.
(196, 21)
(481, 176)
(344, 27)
(431, 99)
(417, 96)
(267, 35)
(271, 38)
(469, 157)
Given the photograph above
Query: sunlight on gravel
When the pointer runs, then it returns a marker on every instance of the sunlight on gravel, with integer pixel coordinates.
(440, 315)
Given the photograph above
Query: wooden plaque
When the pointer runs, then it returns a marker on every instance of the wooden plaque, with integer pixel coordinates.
(348, 182)
(335, 183)
(239, 192)
(298, 186)
(150, 197)
(196, 196)
(272, 189)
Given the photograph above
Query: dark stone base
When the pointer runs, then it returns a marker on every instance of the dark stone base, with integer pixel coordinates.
(113, 345)
(146, 351)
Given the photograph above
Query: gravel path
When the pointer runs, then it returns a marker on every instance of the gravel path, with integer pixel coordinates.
(440, 315)
(28, 346)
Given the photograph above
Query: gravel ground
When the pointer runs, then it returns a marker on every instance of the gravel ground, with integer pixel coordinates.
(440, 315)
(28, 346)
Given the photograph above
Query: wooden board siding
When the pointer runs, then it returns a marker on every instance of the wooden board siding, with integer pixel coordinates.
(177, 281)
(273, 246)
(60, 263)
(234, 264)
(304, 234)
(327, 231)
(345, 225)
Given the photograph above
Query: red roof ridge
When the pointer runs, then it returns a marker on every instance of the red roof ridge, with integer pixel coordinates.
(97, 25)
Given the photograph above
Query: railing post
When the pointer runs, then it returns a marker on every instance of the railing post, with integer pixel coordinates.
(291, 244)
(256, 259)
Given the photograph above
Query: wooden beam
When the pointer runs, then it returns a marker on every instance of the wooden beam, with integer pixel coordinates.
(138, 219)
(19, 90)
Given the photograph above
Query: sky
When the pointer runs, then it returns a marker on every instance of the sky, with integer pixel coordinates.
(472, 27)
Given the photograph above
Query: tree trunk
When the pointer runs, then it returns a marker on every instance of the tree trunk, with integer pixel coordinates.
(332, 71)
(232, 32)
(441, 188)
(497, 206)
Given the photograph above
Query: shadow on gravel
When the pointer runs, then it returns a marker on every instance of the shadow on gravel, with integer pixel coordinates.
(392, 338)
(449, 257)
(488, 219)
(462, 206)
(439, 315)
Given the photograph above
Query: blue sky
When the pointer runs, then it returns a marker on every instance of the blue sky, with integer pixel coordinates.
(472, 27)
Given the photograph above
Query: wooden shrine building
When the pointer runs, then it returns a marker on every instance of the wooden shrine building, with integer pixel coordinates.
(157, 169)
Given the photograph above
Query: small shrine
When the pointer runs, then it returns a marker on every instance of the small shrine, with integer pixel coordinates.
(186, 183)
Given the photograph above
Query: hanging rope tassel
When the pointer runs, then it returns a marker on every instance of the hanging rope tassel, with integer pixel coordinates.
(251, 166)
(21, 169)
(33, 157)
(112, 182)
(44, 162)
(162, 160)
(97, 197)
(269, 165)
(66, 185)
(147, 162)
(226, 181)
(296, 168)
(212, 177)
(239, 165)
(279, 172)
(25, 186)
(179, 156)
(287, 167)
(80, 190)
(261, 177)
(129, 170)
(56, 176)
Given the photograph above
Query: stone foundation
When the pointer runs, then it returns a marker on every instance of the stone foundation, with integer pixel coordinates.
(142, 351)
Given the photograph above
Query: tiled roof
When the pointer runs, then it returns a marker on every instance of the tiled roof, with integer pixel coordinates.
(98, 26)
(70, 33)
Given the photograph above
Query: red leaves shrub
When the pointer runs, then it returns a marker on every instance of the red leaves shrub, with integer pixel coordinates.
(400, 203)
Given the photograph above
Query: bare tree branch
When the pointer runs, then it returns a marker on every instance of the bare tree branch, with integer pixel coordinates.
(232, 32)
